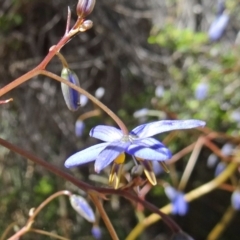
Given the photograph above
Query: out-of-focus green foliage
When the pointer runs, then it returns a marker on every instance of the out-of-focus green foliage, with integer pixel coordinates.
(182, 40)
(196, 61)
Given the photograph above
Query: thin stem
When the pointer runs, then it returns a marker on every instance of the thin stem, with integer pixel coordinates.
(30, 221)
(19, 81)
(194, 194)
(47, 234)
(18, 234)
(46, 201)
(6, 101)
(62, 59)
(91, 97)
(104, 216)
(191, 163)
(52, 52)
(7, 230)
(92, 113)
(222, 224)
(68, 21)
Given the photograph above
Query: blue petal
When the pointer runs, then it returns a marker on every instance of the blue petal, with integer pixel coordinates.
(150, 129)
(180, 206)
(106, 133)
(171, 192)
(149, 149)
(109, 154)
(85, 156)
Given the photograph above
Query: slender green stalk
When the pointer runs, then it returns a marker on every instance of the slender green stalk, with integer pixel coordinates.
(222, 224)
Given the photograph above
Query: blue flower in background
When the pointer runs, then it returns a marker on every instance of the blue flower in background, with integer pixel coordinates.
(96, 232)
(137, 143)
(179, 204)
(219, 25)
(201, 91)
(235, 199)
(219, 168)
(79, 127)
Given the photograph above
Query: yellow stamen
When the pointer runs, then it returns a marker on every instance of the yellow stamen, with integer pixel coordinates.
(115, 174)
(147, 165)
(164, 166)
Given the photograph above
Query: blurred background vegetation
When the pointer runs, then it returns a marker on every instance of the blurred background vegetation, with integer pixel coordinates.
(145, 54)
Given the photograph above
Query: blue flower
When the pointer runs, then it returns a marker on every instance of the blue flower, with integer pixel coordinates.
(219, 168)
(179, 204)
(201, 91)
(218, 27)
(235, 199)
(96, 232)
(137, 143)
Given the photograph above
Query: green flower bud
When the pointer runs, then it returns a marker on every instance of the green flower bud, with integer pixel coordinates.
(71, 96)
(85, 7)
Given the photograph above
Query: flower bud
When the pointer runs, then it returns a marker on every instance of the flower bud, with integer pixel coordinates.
(235, 199)
(218, 27)
(220, 168)
(201, 91)
(71, 96)
(85, 7)
(96, 232)
(79, 127)
(81, 206)
(86, 25)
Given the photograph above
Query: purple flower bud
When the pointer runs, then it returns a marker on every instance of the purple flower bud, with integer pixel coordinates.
(227, 149)
(218, 27)
(179, 204)
(71, 96)
(96, 232)
(81, 206)
(212, 160)
(85, 7)
(220, 168)
(79, 127)
(235, 199)
(201, 91)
